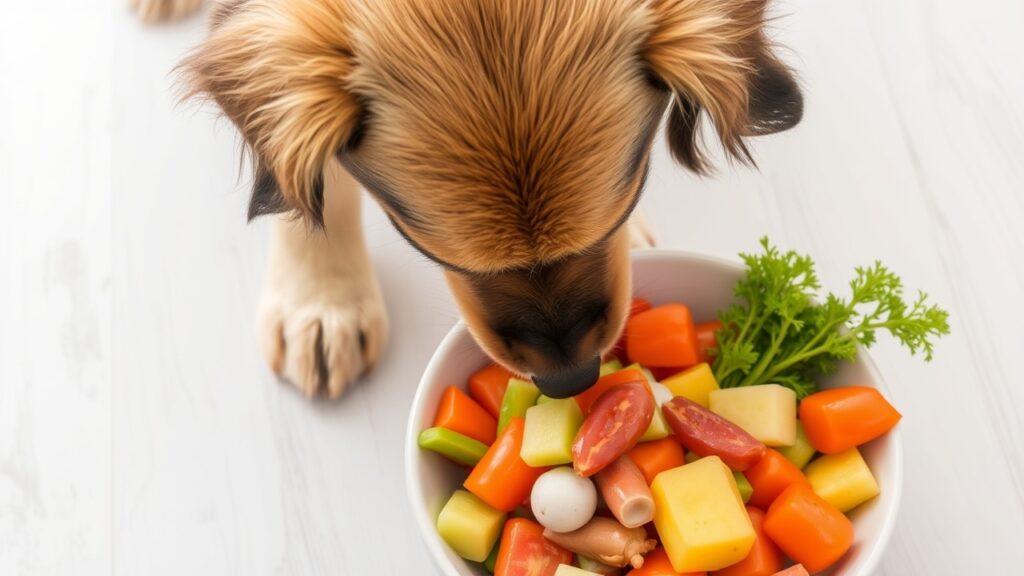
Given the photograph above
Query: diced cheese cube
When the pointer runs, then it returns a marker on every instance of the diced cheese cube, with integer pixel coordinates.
(469, 526)
(700, 516)
(550, 429)
(843, 480)
(566, 570)
(694, 383)
(766, 412)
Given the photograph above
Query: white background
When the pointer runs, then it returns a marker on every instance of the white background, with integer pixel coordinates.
(141, 434)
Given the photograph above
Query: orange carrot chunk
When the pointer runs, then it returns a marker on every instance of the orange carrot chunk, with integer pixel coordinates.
(807, 528)
(653, 458)
(487, 387)
(459, 413)
(764, 558)
(501, 478)
(838, 419)
(663, 336)
(772, 474)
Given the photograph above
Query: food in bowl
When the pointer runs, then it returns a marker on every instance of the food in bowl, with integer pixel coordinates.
(743, 444)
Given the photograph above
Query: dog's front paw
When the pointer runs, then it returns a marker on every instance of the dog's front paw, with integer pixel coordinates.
(162, 10)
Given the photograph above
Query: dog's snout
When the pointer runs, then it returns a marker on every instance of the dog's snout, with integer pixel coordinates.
(569, 381)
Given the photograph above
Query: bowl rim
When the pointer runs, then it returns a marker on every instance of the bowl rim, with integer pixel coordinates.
(425, 524)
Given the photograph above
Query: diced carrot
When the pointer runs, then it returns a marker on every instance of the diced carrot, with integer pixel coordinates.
(487, 386)
(764, 558)
(655, 457)
(637, 306)
(501, 478)
(794, 570)
(459, 413)
(586, 398)
(656, 563)
(772, 474)
(662, 336)
(807, 528)
(838, 419)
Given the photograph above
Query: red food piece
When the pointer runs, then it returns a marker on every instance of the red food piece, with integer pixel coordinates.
(525, 552)
(705, 433)
(707, 339)
(616, 422)
(587, 398)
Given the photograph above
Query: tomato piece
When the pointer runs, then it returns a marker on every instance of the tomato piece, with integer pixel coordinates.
(616, 422)
(794, 570)
(525, 552)
(459, 413)
(662, 372)
(764, 558)
(501, 478)
(705, 433)
(487, 387)
(653, 458)
(662, 336)
(656, 563)
(707, 340)
(587, 398)
(772, 474)
(841, 418)
(807, 528)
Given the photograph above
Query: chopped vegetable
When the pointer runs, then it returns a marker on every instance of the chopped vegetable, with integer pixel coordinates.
(492, 558)
(487, 387)
(652, 458)
(459, 413)
(550, 429)
(519, 396)
(567, 570)
(657, 564)
(807, 528)
(625, 491)
(562, 501)
(707, 340)
(587, 398)
(794, 570)
(767, 412)
(615, 423)
(453, 446)
(469, 525)
(770, 476)
(843, 480)
(501, 478)
(696, 383)
(662, 336)
(608, 541)
(777, 333)
(700, 516)
(705, 433)
(526, 552)
(801, 452)
(611, 366)
(743, 485)
(838, 419)
(764, 558)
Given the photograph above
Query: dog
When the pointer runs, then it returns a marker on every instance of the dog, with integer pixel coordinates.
(507, 140)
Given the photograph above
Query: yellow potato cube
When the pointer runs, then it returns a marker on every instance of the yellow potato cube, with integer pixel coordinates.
(566, 570)
(469, 526)
(658, 428)
(766, 412)
(843, 480)
(694, 383)
(700, 516)
(549, 431)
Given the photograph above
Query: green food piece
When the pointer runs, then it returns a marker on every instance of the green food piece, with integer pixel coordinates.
(492, 558)
(542, 399)
(746, 490)
(801, 452)
(549, 431)
(610, 367)
(776, 333)
(519, 396)
(453, 446)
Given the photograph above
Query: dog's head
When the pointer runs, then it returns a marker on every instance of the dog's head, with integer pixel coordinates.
(507, 140)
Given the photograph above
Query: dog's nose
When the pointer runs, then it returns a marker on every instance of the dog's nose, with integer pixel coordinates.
(569, 381)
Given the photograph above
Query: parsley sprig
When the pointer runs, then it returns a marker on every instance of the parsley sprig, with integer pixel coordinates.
(777, 333)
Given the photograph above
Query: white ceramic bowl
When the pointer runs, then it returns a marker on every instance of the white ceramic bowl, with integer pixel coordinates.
(705, 285)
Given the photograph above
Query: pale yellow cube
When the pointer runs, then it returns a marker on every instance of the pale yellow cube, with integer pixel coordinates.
(566, 570)
(470, 526)
(700, 516)
(766, 412)
(694, 383)
(549, 431)
(658, 428)
(843, 480)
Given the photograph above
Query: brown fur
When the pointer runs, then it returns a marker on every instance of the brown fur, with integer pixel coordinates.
(505, 139)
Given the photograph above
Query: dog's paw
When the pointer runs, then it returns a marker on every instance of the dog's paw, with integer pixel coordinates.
(640, 233)
(319, 331)
(164, 10)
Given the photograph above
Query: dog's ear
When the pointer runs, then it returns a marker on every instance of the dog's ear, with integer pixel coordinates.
(279, 71)
(714, 58)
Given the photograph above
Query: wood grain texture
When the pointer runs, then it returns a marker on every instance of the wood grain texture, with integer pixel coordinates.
(140, 432)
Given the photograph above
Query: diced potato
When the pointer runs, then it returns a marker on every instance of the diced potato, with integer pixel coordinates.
(766, 412)
(566, 570)
(550, 430)
(658, 428)
(469, 526)
(843, 480)
(801, 452)
(700, 516)
(694, 383)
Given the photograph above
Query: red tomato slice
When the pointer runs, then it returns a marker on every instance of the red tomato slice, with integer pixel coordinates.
(525, 552)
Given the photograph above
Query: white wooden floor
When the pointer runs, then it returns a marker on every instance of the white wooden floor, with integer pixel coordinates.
(140, 433)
